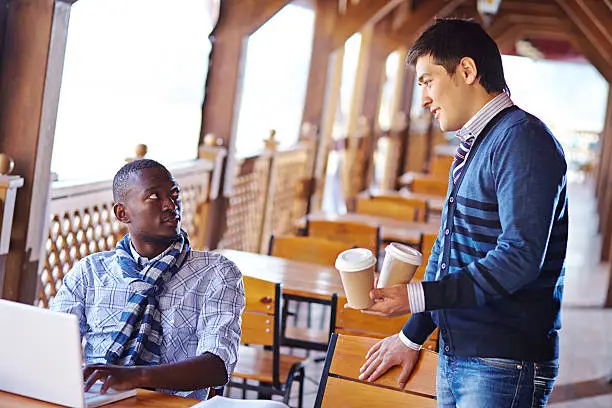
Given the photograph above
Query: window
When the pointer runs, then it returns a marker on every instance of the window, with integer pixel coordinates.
(275, 79)
(350, 62)
(388, 97)
(134, 72)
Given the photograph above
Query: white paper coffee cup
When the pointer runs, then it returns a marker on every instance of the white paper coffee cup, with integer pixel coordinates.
(399, 265)
(356, 267)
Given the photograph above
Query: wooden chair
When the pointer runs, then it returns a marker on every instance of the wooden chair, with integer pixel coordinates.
(385, 208)
(427, 243)
(440, 166)
(353, 322)
(310, 249)
(314, 250)
(340, 385)
(420, 206)
(429, 185)
(351, 233)
(259, 356)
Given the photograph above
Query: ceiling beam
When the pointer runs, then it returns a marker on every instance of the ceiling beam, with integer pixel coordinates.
(599, 14)
(357, 16)
(422, 16)
(536, 8)
(586, 26)
(505, 20)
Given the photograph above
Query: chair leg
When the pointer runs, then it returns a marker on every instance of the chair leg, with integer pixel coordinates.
(244, 381)
(301, 388)
(296, 313)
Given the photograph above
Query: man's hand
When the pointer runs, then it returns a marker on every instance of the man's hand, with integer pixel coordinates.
(118, 377)
(389, 302)
(387, 354)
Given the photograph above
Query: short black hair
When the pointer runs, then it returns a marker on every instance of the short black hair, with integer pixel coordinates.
(121, 184)
(448, 40)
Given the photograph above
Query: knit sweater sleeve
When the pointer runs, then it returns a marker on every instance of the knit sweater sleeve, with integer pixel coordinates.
(529, 175)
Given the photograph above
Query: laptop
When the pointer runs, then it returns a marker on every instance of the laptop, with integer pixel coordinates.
(40, 357)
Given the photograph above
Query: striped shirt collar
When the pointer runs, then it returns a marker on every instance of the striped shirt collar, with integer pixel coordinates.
(474, 126)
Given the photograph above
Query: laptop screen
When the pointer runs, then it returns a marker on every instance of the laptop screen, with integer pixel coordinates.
(40, 351)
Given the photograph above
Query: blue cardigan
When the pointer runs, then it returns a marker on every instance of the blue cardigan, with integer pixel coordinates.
(494, 281)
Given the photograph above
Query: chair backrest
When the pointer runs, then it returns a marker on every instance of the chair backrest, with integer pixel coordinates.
(429, 185)
(440, 166)
(353, 322)
(261, 322)
(385, 208)
(307, 249)
(420, 206)
(427, 243)
(351, 233)
(340, 384)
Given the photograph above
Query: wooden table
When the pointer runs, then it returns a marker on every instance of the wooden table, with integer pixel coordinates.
(300, 279)
(390, 228)
(145, 399)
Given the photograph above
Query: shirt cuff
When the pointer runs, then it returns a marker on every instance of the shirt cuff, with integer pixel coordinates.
(416, 297)
(408, 343)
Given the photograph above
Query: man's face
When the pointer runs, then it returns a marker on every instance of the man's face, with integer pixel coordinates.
(443, 94)
(153, 206)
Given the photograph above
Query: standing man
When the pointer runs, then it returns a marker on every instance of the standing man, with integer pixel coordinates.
(153, 312)
(494, 281)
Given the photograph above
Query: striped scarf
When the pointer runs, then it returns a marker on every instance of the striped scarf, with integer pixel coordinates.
(462, 152)
(139, 337)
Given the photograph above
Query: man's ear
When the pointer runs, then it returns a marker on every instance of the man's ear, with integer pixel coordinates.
(120, 213)
(468, 71)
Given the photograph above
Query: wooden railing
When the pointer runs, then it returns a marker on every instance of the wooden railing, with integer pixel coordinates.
(269, 193)
(81, 220)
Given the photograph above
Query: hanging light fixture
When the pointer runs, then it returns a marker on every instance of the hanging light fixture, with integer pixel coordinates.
(488, 6)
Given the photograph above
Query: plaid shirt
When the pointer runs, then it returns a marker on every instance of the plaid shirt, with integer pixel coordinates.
(201, 308)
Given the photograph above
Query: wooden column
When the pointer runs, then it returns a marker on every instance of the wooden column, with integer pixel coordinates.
(605, 198)
(406, 108)
(375, 49)
(237, 20)
(604, 167)
(332, 29)
(32, 66)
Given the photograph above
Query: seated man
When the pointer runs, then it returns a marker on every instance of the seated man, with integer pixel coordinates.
(154, 313)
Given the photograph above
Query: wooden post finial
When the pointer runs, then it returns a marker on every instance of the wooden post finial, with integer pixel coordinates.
(271, 143)
(141, 150)
(6, 164)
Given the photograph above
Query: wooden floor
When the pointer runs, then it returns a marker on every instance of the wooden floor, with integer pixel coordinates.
(586, 337)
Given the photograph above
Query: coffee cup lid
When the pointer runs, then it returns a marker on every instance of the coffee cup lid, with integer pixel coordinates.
(404, 253)
(354, 260)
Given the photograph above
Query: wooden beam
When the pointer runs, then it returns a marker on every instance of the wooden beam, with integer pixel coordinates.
(503, 22)
(604, 172)
(357, 16)
(534, 8)
(32, 64)
(237, 20)
(589, 50)
(605, 199)
(375, 50)
(422, 17)
(600, 15)
(331, 32)
(592, 34)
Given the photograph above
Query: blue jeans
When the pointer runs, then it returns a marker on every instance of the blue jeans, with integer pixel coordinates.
(474, 382)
